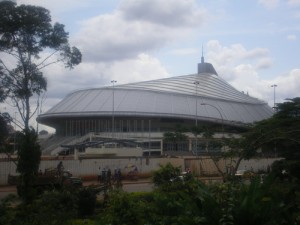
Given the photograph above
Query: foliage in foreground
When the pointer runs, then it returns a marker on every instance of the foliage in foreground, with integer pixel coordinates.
(29, 155)
(182, 201)
(57, 207)
(192, 202)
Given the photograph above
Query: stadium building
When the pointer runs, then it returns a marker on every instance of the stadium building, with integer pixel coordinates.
(144, 111)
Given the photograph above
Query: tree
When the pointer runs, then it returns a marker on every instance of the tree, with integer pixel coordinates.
(4, 121)
(281, 133)
(165, 175)
(280, 136)
(2, 91)
(288, 109)
(5, 130)
(26, 33)
(277, 136)
(29, 155)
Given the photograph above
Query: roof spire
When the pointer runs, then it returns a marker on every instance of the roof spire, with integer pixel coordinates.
(204, 67)
(202, 57)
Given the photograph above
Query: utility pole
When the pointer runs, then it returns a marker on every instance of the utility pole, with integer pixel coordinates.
(196, 114)
(274, 107)
(113, 109)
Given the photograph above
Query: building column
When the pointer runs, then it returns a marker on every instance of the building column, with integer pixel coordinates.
(190, 144)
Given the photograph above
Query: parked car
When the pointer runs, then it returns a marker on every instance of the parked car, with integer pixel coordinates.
(51, 178)
(182, 177)
(244, 174)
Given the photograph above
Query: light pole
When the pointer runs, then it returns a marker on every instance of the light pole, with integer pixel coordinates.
(113, 109)
(196, 86)
(15, 132)
(274, 87)
(196, 115)
(219, 113)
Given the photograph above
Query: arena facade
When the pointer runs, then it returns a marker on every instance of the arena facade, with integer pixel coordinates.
(156, 106)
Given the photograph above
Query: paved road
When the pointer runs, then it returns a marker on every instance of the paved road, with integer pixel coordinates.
(135, 187)
(6, 191)
(141, 185)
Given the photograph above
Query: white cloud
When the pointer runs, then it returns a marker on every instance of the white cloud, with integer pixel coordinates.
(143, 68)
(90, 75)
(117, 39)
(170, 13)
(297, 15)
(264, 63)
(57, 6)
(245, 76)
(246, 79)
(229, 57)
(291, 37)
(269, 4)
(184, 51)
(137, 27)
(293, 3)
(288, 84)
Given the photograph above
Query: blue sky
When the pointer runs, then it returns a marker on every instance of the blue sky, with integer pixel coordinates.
(251, 43)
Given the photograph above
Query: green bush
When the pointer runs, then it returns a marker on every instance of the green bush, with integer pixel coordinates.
(187, 201)
(7, 213)
(29, 155)
(51, 208)
(123, 208)
(86, 202)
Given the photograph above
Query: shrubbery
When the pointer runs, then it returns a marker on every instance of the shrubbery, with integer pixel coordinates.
(182, 201)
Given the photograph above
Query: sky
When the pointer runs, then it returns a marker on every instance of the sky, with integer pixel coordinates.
(253, 44)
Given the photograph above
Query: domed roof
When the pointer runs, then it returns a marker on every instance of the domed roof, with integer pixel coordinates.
(174, 97)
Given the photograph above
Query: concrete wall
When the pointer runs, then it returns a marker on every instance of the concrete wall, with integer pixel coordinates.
(204, 166)
(90, 167)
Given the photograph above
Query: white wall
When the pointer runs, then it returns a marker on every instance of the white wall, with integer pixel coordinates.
(88, 167)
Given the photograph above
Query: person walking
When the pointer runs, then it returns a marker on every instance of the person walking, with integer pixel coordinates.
(99, 175)
(108, 176)
(103, 175)
(60, 168)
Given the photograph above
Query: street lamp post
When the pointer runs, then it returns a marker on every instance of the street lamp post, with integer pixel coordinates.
(196, 115)
(274, 86)
(220, 115)
(15, 132)
(113, 108)
(196, 86)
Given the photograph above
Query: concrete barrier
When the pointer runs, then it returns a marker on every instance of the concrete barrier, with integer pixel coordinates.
(145, 165)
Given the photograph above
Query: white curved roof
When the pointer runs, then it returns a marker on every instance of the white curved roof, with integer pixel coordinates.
(174, 97)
